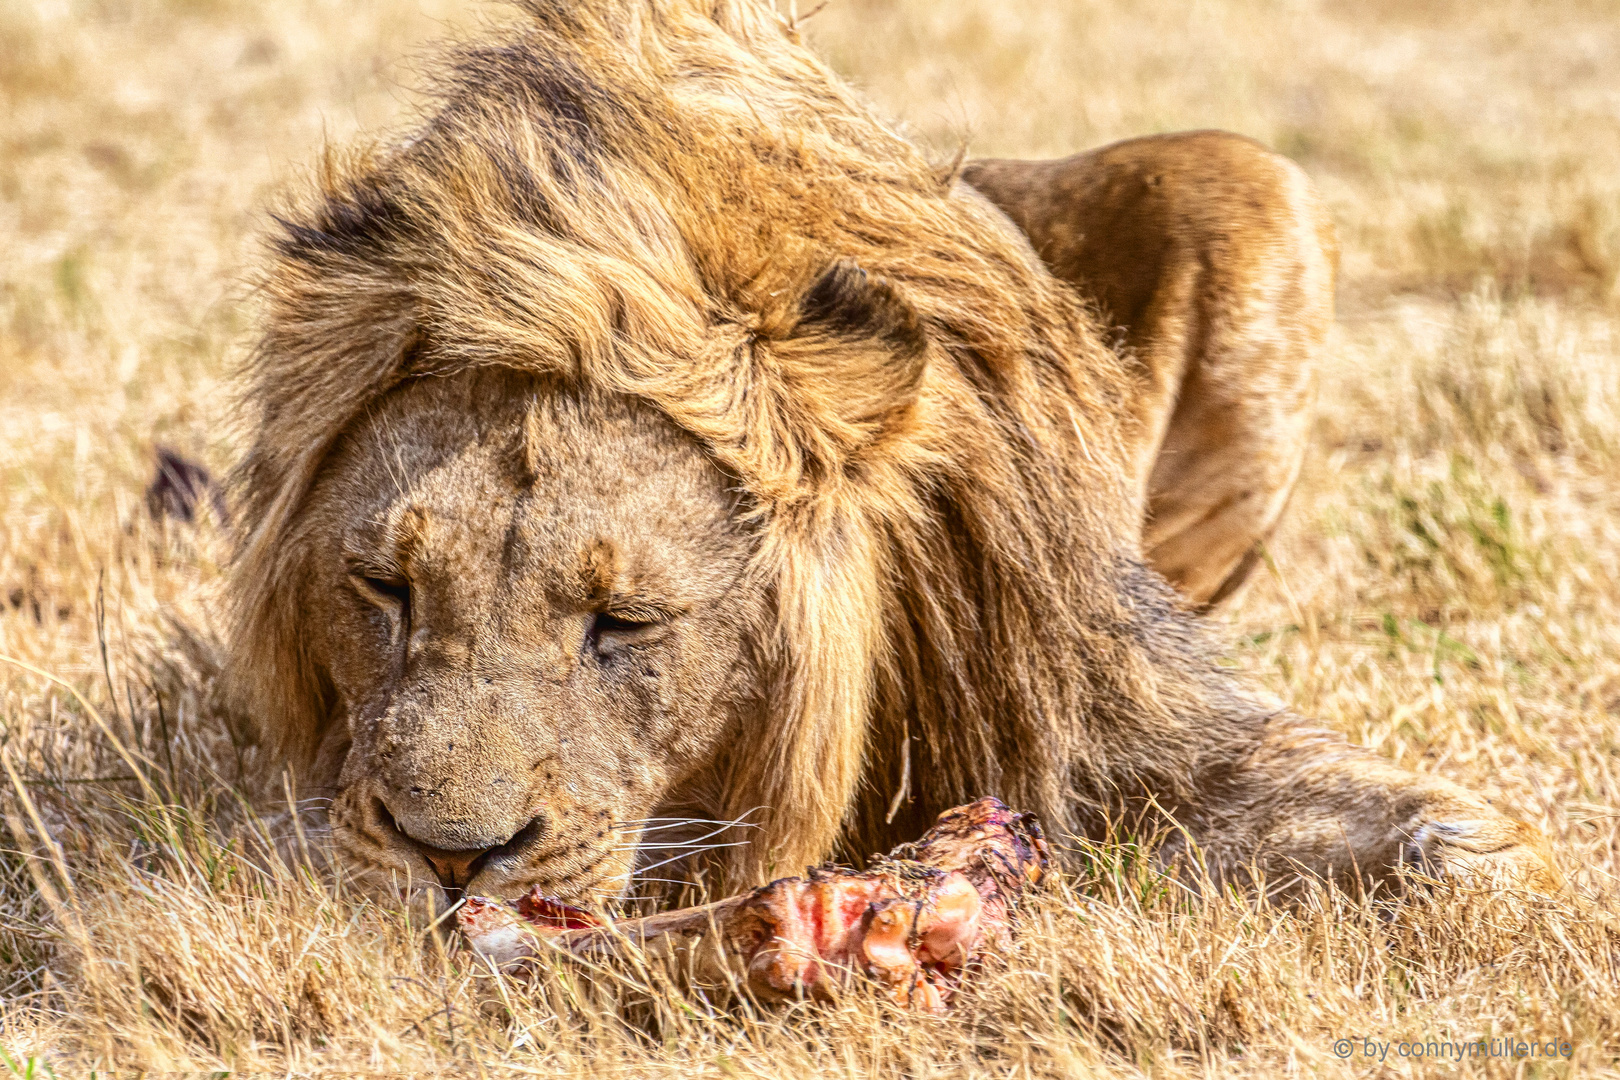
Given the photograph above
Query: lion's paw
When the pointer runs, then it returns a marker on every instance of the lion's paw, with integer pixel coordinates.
(1493, 852)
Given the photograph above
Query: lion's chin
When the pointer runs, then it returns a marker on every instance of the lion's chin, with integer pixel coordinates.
(427, 900)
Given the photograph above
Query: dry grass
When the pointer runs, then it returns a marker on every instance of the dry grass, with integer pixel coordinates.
(1446, 589)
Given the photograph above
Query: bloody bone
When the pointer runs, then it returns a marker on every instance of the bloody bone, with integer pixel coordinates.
(910, 922)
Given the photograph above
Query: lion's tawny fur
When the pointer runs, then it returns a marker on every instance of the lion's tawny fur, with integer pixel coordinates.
(642, 197)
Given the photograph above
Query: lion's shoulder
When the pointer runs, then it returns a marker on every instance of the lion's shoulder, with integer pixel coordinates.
(1118, 220)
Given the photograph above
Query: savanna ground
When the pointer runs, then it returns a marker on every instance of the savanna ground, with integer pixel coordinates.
(1446, 588)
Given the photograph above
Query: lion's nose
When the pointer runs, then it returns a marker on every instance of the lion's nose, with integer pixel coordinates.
(455, 868)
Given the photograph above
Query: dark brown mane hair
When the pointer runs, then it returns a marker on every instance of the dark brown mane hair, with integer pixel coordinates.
(674, 200)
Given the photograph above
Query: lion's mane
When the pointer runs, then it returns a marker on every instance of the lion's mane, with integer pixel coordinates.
(638, 194)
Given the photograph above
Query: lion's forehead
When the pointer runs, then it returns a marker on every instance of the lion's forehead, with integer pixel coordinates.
(504, 485)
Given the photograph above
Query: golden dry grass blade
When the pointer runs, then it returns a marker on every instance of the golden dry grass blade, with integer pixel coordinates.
(101, 725)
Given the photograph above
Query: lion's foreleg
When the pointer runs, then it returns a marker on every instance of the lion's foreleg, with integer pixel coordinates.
(1309, 803)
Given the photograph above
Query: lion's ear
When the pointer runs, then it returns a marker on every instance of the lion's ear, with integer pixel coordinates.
(858, 350)
(847, 304)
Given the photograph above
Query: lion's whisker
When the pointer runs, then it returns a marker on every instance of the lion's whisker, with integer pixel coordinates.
(674, 844)
(741, 820)
(679, 820)
(682, 855)
(677, 847)
(710, 833)
(676, 823)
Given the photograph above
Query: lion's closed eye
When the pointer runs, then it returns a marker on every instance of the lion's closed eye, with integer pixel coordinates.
(387, 590)
(611, 632)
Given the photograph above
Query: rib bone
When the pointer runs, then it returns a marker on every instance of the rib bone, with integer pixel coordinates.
(911, 922)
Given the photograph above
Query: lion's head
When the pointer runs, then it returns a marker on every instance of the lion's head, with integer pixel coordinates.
(655, 434)
(534, 605)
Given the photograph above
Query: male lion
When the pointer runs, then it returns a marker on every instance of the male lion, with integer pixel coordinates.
(657, 435)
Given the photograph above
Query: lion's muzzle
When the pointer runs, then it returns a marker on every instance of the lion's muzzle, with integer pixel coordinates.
(456, 867)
